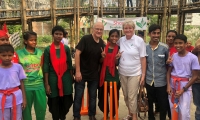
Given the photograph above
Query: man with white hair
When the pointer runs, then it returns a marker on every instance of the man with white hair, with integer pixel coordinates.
(87, 60)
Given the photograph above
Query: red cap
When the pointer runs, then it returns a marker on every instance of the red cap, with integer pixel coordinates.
(3, 34)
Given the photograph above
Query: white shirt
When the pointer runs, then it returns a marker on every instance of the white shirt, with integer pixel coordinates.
(64, 41)
(133, 50)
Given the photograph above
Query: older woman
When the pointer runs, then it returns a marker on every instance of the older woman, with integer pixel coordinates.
(132, 67)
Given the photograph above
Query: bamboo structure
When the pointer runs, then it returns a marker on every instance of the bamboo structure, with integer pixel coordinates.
(26, 11)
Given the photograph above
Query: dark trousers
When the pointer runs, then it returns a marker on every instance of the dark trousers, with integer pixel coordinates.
(131, 2)
(101, 99)
(59, 106)
(168, 108)
(161, 94)
(79, 90)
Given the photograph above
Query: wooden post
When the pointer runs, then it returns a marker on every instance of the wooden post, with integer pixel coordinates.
(78, 21)
(91, 15)
(178, 16)
(101, 8)
(142, 2)
(71, 33)
(23, 16)
(169, 15)
(53, 12)
(124, 8)
(182, 17)
(30, 25)
(98, 8)
(164, 22)
(75, 22)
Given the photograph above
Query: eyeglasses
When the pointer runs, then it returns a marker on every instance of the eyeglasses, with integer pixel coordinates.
(98, 29)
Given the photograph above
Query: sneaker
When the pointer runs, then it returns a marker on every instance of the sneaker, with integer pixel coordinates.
(128, 117)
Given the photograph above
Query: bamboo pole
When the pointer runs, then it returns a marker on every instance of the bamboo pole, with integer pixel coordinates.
(98, 8)
(53, 12)
(75, 23)
(169, 15)
(124, 8)
(30, 25)
(182, 17)
(78, 21)
(120, 8)
(178, 16)
(71, 33)
(142, 2)
(164, 21)
(101, 8)
(23, 17)
(91, 15)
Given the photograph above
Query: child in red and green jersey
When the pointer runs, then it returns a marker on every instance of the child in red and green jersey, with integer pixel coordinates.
(4, 39)
(30, 59)
(109, 73)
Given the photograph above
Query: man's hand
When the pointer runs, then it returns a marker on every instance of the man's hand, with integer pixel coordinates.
(78, 77)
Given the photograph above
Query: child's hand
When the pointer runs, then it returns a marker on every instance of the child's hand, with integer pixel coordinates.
(103, 54)
(169, 90)
(24, 104)
(169, 60)
(48, 89)
(119, 55)
(179, 93)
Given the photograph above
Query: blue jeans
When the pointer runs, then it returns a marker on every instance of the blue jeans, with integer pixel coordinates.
(79, 90)
(196, 97)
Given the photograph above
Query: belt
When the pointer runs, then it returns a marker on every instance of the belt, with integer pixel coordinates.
(175, 80)
(14, 102)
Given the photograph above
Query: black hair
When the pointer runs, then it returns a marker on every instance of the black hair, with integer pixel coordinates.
(113, 31)
(141, 33)
(27, 34)
(6, 48)
(58, 28)
(174, 31)
(65, 34)
(153, 27)
(181, 37)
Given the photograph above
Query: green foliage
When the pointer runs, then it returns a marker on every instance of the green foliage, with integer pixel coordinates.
(44, 39)
(64, 23)
(14, 28)
(188, 27)
(105, 37)
(152, 19)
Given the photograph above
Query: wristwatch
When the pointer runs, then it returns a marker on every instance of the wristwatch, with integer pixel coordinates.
(185, 89)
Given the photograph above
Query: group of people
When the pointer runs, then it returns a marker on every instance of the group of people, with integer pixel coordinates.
(167, 72)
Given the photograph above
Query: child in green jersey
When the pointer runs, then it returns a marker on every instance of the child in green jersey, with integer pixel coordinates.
(30, 58)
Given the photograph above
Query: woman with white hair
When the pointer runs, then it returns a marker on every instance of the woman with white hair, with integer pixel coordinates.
(132, 67)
